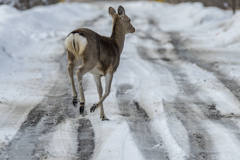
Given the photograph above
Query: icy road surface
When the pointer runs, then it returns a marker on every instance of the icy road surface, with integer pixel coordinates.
(175, 95)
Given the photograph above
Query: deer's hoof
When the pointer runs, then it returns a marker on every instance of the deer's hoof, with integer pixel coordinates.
(74, 102)
(104, 118)
(81, 108)
(92, 109)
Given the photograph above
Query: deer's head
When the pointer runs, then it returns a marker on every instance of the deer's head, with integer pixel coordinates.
(125, 20)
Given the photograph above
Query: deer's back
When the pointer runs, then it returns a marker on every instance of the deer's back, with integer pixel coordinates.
(102, 48)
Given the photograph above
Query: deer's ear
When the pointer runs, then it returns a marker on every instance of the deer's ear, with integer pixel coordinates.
(121, 11)
(111, 11)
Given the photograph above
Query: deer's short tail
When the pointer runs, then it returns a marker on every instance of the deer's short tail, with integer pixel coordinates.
(76, 44)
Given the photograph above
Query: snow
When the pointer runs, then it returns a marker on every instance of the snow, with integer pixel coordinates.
(203, 28)
(114, 132)
(220, 142)
(63, 143)
(218, 93)
(32, 42)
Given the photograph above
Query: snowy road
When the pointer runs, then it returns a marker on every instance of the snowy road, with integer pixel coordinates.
(174, 96)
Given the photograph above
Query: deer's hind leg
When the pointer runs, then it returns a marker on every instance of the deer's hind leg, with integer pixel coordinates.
(70, 68)
(86, 67)
(98, 83)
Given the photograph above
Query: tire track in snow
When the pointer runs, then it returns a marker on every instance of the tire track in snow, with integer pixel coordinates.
(211, 146)
(24, 144)
(85, 139)
(43, 119)
(190, 56)
(212, 113)
(199, 139)
(139, 123)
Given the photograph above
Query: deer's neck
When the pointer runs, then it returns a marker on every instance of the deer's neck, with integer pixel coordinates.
(118, 33)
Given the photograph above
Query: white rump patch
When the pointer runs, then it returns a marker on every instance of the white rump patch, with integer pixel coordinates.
(76, 44)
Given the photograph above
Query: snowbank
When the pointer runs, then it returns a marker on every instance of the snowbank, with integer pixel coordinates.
(204, 28)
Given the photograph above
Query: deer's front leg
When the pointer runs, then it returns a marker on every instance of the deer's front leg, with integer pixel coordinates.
(98, 83)
(108, 81)
(70, 74)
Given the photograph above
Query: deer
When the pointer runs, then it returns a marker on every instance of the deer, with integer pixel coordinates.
(98, 55)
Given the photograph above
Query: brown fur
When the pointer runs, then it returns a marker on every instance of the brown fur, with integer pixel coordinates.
(104, 49)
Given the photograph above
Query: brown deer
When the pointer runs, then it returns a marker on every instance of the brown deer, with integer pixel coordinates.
(98, 55)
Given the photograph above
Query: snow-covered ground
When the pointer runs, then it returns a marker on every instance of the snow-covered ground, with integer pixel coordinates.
(205, 28)
(175, 94)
